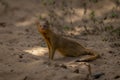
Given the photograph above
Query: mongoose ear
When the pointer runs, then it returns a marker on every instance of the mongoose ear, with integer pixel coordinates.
(46, 22)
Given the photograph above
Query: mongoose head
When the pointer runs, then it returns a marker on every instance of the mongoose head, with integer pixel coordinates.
(43, 28)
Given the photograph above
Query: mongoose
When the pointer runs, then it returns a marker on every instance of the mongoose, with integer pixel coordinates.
(64, 45)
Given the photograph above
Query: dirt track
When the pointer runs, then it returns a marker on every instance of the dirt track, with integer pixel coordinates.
(24, 55)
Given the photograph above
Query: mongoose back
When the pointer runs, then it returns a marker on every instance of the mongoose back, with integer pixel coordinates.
(65, 46)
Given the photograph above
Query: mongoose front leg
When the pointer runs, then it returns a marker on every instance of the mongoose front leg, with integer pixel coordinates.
(49, 48)
(51, 54)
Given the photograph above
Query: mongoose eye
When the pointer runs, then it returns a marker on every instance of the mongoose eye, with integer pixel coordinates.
(45, 26)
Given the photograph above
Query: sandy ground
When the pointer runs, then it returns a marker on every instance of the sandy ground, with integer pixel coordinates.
(23, 52)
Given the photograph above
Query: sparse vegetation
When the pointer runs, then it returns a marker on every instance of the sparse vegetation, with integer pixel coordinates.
(95, 1)
(116, 31)
(108, 28)
(66, 27)
(93, 23)
(48, 2)
(114, 15)
(92, 16)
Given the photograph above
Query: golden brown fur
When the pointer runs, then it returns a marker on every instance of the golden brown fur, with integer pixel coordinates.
(65, 46)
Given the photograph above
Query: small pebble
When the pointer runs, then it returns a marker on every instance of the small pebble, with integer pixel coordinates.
(2, 24)
(76, 71)
(117, 77)
(110, 51)
(63, 66)
(11, 70)
(27, 30)
(20, 56)
(97, 75)
(25, 78)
